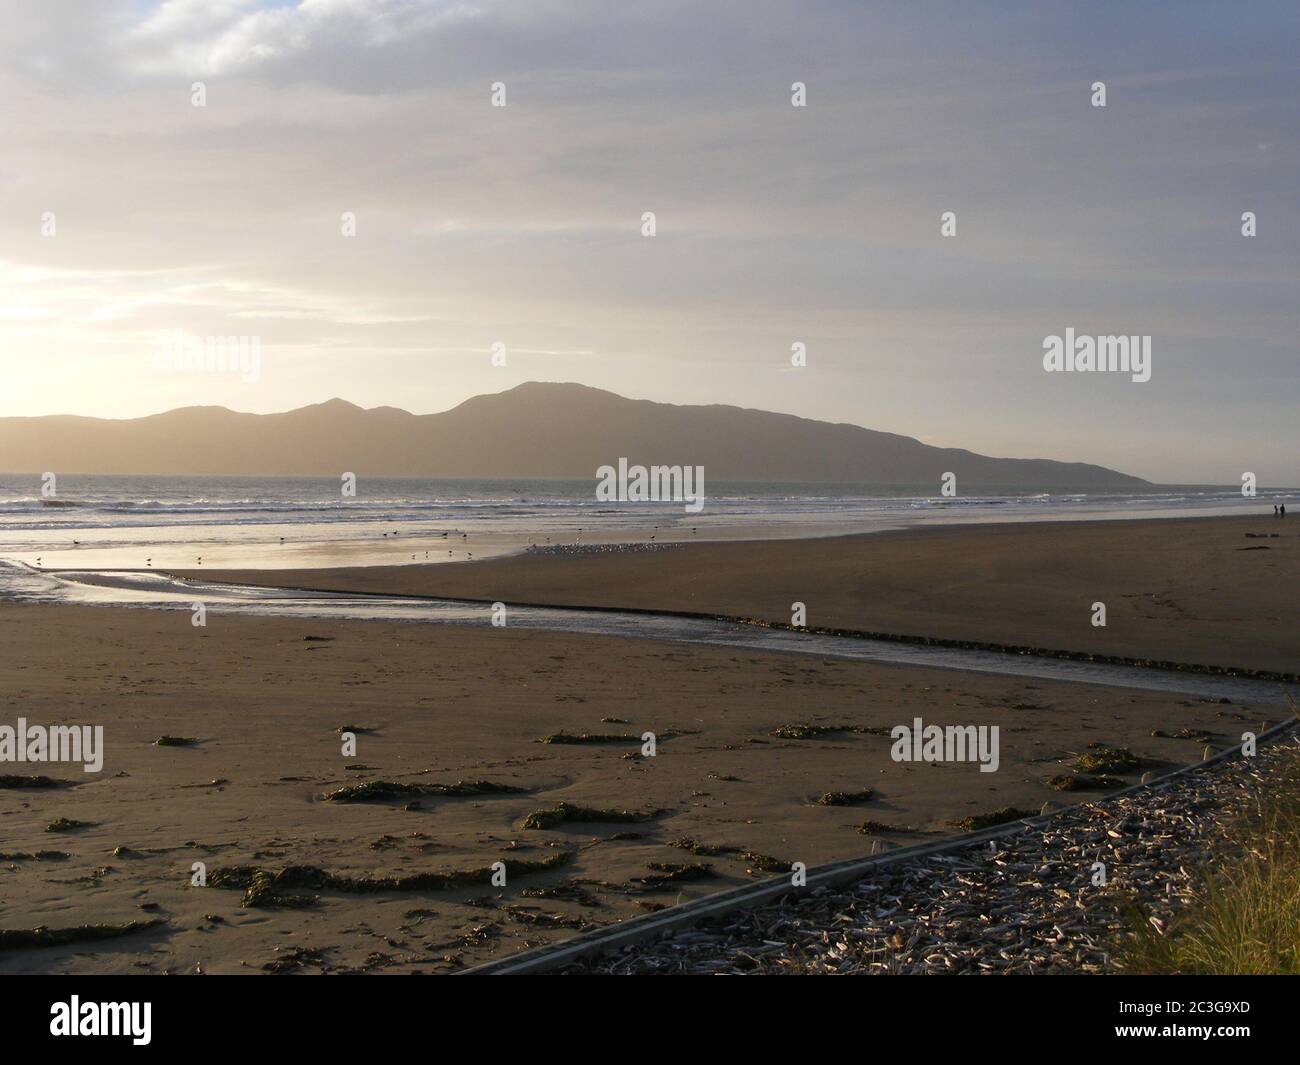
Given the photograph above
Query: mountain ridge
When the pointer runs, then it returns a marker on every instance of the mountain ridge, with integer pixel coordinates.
(536, 429)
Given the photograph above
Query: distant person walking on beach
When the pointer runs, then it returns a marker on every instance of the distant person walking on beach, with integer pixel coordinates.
(1275, 510)
(1282, 510)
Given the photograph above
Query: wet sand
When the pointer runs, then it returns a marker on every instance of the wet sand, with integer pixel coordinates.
(444, 704)
(1198, 591)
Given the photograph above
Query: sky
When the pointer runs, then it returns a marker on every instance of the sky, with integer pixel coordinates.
(131, 218)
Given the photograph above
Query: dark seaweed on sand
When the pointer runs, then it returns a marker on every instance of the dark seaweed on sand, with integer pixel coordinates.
(526, 915)
(604, 737)
(997, 817)
(764, 863)
(296, 957)
(564, 813)
(1085, 782)
(811, 732)
(673, 872)
(38, 856)
(387, 790)
(24, 938)
(879, 828)
(1102, 759)
(567, 891)
(10, 780)
(67, 824)
(846, 798)
(264, 888)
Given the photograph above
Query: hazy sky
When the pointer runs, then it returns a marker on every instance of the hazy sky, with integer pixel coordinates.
(521, 224)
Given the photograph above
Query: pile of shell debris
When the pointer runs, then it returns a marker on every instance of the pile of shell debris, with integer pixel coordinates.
(1049, 899)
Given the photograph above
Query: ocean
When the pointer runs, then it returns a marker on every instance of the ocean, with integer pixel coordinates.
(131, 522)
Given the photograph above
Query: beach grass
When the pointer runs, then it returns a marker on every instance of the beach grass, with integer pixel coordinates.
(1245, 918)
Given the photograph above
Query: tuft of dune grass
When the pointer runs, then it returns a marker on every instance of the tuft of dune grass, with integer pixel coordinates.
(1245, 918)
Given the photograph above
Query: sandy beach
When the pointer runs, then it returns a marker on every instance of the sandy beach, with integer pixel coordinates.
(499, 488)
(263, 700)
(1212, 591)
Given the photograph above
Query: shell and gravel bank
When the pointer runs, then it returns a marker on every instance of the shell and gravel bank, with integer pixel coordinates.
(1031, 902)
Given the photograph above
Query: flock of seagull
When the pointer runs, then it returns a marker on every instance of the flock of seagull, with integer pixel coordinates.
(464, 536)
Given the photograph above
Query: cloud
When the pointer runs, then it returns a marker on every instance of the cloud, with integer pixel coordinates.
(522, 224)
(202, 38)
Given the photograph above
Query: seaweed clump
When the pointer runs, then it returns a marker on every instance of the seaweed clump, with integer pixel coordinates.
(763, 863)
(387, 790)
(1084, 782)
(565, 813)
(1102, 759)
(264, 888)
(12, 780)
(296, 957)
(605, 737)
(23, 938)
(846, 798)
(997, 817)
(879, 828)
(673, 872)
(38, 856)
(67, 824)
(811, 732)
